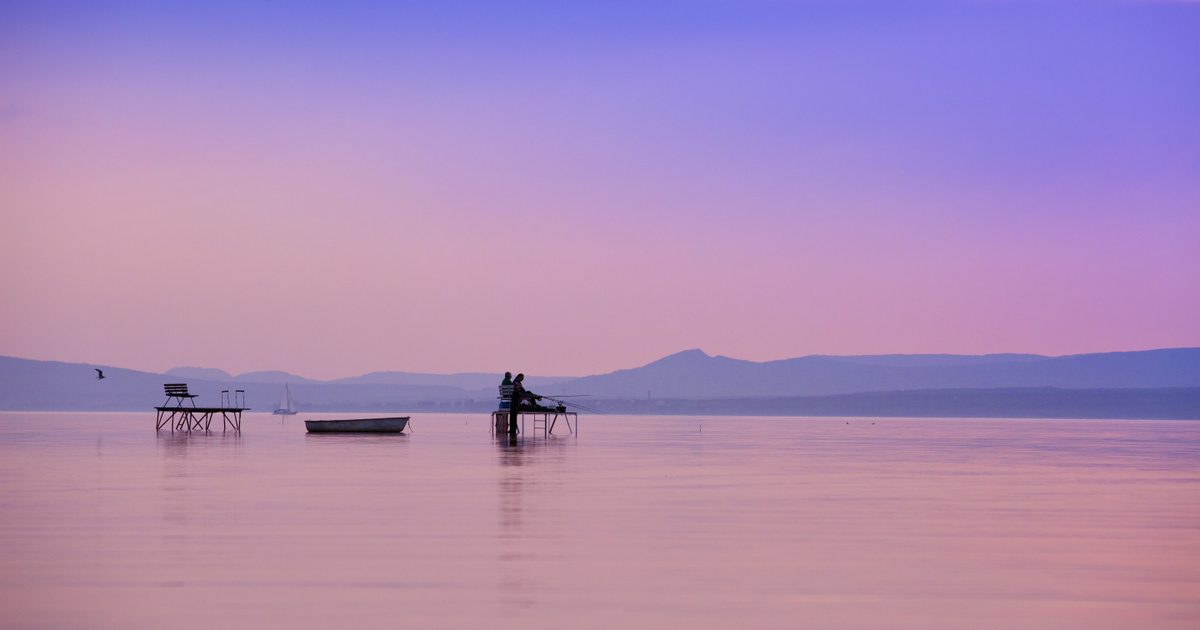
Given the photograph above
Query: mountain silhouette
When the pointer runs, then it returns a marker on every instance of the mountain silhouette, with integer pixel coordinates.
(999, 383)
(695, 374)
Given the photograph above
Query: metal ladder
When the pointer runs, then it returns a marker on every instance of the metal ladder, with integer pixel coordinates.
(541, 418)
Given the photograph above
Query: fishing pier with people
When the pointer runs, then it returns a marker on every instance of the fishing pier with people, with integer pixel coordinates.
(517, 403)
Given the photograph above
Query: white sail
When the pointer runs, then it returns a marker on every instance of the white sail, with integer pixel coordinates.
(287, 406)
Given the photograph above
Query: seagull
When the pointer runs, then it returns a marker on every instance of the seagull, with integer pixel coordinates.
(99, 374)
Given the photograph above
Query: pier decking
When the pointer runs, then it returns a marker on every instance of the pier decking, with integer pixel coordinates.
(546, 420)
(198, 418)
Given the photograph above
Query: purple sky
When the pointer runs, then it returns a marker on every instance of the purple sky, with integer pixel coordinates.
(572, 188)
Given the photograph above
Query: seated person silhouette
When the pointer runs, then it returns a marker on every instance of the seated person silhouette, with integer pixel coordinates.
(523, 400)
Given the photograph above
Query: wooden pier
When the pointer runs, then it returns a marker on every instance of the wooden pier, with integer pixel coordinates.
(188, 417)
(198, 418)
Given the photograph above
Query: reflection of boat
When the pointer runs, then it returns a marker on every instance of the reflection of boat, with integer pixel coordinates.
(358, 425)
(287, 406)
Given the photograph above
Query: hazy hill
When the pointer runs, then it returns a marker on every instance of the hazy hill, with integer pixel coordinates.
(1030, 383)
(47, 385)
(203, 373)
(1167, 403)
(53, 385)
(214, 374)
(694, 374)
(464, 380)
(271, 376)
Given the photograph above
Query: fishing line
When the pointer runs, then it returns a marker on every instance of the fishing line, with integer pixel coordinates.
(575, 404)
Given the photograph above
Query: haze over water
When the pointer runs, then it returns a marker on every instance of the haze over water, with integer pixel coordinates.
(641, 521)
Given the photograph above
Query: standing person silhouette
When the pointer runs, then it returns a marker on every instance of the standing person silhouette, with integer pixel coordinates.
(518, 401)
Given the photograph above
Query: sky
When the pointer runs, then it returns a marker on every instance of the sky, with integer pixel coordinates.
(570, 188)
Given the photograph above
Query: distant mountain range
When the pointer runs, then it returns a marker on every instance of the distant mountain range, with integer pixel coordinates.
(1152, 383)
(694, 374)
(463, 380)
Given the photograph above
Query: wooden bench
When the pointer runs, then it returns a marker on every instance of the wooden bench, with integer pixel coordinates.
(178, 392)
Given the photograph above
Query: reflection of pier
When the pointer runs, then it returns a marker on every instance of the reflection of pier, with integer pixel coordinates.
(189, 417)
(530, 528)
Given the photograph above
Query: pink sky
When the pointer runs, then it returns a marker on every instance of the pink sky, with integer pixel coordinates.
(332, 198)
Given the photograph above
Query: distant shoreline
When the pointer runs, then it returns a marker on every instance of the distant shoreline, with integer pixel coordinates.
(1179, 403)
(1152, 384)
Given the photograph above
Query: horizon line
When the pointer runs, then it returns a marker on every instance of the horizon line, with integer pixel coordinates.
(666, 356)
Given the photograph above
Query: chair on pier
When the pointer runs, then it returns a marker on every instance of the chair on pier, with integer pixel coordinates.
(500, 415)
(505, 397)
(178, 392)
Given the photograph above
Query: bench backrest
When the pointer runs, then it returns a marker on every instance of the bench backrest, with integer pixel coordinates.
(175, 389)
(506, 397)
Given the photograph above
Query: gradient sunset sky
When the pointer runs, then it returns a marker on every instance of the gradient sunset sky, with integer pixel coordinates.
(571, 188)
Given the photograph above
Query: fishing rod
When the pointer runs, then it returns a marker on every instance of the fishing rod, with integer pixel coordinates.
(587, 409)
(573, 404)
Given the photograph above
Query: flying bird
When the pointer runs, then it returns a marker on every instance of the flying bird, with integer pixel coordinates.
(99, 373)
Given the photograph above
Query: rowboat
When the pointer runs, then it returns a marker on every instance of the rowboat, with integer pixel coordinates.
(358, 425)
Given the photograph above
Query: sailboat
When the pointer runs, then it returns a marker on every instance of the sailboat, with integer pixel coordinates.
(287, 406)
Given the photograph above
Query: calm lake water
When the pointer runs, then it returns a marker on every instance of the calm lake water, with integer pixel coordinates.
(640, 522)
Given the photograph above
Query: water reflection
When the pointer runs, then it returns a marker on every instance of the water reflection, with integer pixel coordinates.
(526, 515)
(187, 458)
(512, 481)
(651, 523)
(180, 444)
(513, 587)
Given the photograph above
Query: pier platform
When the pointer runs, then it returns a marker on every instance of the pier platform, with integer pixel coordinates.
(198, 418)
(545, 420)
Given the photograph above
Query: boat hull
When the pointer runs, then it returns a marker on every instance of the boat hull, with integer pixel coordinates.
(284, 412)
(358, 425)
